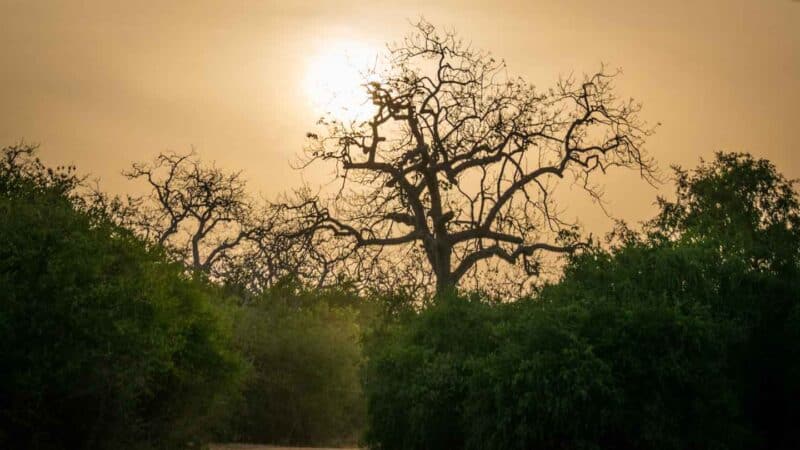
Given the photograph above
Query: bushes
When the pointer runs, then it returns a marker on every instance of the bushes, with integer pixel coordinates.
(645, 359)
(542, 374)
(678, 337)
(542, 387)
(415, 375)
(104, 343)
(305, 355)
(682, 336)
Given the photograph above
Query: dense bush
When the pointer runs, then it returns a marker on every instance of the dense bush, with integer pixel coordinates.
(542, 374)
(682, 336)
(104, 343)
(415, 375)
(305, 355)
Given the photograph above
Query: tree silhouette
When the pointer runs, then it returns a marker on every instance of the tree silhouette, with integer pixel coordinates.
(463, 160)
(207, 218)
(200, 211)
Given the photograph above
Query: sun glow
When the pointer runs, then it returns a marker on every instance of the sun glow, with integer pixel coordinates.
(336, 77)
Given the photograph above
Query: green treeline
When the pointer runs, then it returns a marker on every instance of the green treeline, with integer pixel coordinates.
(104, 343)
(304, 354)
(682, 334)
(107, 343)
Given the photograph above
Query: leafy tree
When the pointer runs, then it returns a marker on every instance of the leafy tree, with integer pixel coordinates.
(200, 211)
(739, 204)
(22, 173)
(681, 336)
(104, 343)
(304, 349)
(553, 373)
(460, 162)
(206, 217)
(415, 375)
(729, 242)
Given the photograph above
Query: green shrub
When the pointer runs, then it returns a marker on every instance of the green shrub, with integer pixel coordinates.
(103, 343)
(304, 350)
(415, 376)
(683, 336)
(540, 374)
(541, 387)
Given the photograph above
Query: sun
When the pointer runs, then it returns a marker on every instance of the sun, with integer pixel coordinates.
(335, 79)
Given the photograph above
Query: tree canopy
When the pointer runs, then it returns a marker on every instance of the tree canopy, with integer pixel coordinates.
(460, 162)
(681, 335)
(105, 343)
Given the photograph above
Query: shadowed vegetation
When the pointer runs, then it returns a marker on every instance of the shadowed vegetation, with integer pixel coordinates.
(681, 336)
(104, 343)
(196, 313)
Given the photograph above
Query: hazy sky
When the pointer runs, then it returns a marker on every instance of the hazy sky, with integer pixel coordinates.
(102, 83)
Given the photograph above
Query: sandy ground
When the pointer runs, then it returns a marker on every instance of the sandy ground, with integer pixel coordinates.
(266, 447)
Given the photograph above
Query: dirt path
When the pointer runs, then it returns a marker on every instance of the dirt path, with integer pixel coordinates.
(267, 447)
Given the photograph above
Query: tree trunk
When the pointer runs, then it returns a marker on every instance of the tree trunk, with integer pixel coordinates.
(196, 265)
(445, 282)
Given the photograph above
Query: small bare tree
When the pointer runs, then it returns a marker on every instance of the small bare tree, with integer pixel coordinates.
(463, 161)
(278, 248)
(20, 165)
(206, 217)
(201, 212)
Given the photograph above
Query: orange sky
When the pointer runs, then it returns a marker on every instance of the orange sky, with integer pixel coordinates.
(102, 83)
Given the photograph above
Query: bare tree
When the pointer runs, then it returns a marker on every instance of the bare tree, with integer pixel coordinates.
(207, 218)
(277, 248)
(20, 165)
(199, 211)
(463, 160)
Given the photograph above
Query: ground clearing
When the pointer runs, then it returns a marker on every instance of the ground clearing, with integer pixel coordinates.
(267, 447)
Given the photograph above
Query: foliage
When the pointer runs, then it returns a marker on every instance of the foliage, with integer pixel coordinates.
(414, 377)
(684, 336)
(21, 173)
(738, 204)
(305, 353)
(459, 164)
(536, 374)
(104, 343)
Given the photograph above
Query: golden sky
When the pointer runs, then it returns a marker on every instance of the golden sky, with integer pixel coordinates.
(103, 83)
